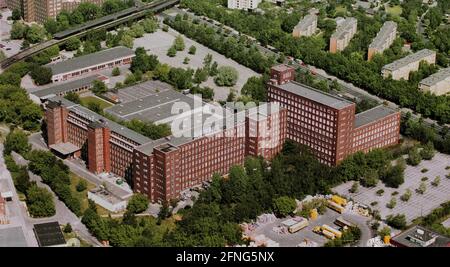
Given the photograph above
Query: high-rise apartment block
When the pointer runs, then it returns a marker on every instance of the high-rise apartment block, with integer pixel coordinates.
(343, 34)
(438, 83)
(401, 68)
(327, 123)
(243, 4)
(383, 40)
(306, 27)
(41, 10)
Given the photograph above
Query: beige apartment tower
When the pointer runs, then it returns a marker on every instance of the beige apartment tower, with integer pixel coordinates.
(344, 33)
(383, 40)
(306, 27)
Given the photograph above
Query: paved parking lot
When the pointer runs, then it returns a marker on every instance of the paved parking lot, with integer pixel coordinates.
(11, 47)
(159, 42)
(418, 204)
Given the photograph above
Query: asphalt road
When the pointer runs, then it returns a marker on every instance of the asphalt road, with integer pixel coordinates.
(63, 214)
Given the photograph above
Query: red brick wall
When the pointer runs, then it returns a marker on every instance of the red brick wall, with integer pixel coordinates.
(381, 133)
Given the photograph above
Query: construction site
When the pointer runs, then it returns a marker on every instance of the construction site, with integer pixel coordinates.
(309, 227)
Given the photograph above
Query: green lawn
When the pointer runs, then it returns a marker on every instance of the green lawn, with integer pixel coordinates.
(341, 9)
(74, 180)
(89, 99)
(394, 11)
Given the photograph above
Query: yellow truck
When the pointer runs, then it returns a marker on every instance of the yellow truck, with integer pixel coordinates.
(337, 233)
(339, 200)
(327, 231)
(334, 206)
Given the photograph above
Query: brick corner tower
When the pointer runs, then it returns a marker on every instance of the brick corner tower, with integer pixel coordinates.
(99, 159)
(56, 118)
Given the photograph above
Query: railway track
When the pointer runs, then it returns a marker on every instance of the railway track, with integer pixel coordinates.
(80, 31)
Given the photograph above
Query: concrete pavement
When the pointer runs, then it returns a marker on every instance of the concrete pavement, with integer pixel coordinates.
(63, 215)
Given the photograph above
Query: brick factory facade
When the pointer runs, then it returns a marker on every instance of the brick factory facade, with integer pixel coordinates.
(163, 168)
(41, 10)
(328, 124)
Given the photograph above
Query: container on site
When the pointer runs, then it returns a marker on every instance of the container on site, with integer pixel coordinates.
(387, 239)
(295, 224)
(332, 205)
(339, 200)
(313, 214)
(328, 234)
(342, 223)
(337, 233)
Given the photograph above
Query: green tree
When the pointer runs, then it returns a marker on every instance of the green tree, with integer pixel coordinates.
(40, 202)
(35, 34)
(354, 188)
(18, 30)
(200, 75)
(385, 231)
(137, 203)
(436, 181)
(427, 153)
(17, 141)
(126, 41)
(150, 25)
(181, 78)
(406, 196)
(41, 75)
(115, 71)
(81, 186)
(226, 76)
(186, 60)
(16, 14)
(256, 88)
(192, 50)
(397, 221)
(99, 87)
(73, 43)
(422, 188)
(392, 203)
(178, 43)
(137, 30)
(68, 228)
(73, 97)
(162, 72)
(172, 51)
(284, 206)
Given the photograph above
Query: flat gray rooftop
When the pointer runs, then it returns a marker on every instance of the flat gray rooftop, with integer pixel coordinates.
(315, 95)
(12, 237)
(91, 59)
(404, 237)
(372, 115)
(65, 87)
(441, 75)
(152, 108)
(115, 127)
(418, 56)
(307, 21)
(344, 28)
(379, 41)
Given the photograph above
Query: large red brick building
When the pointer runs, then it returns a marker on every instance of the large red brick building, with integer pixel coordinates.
(162, 168)
(327, 123)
